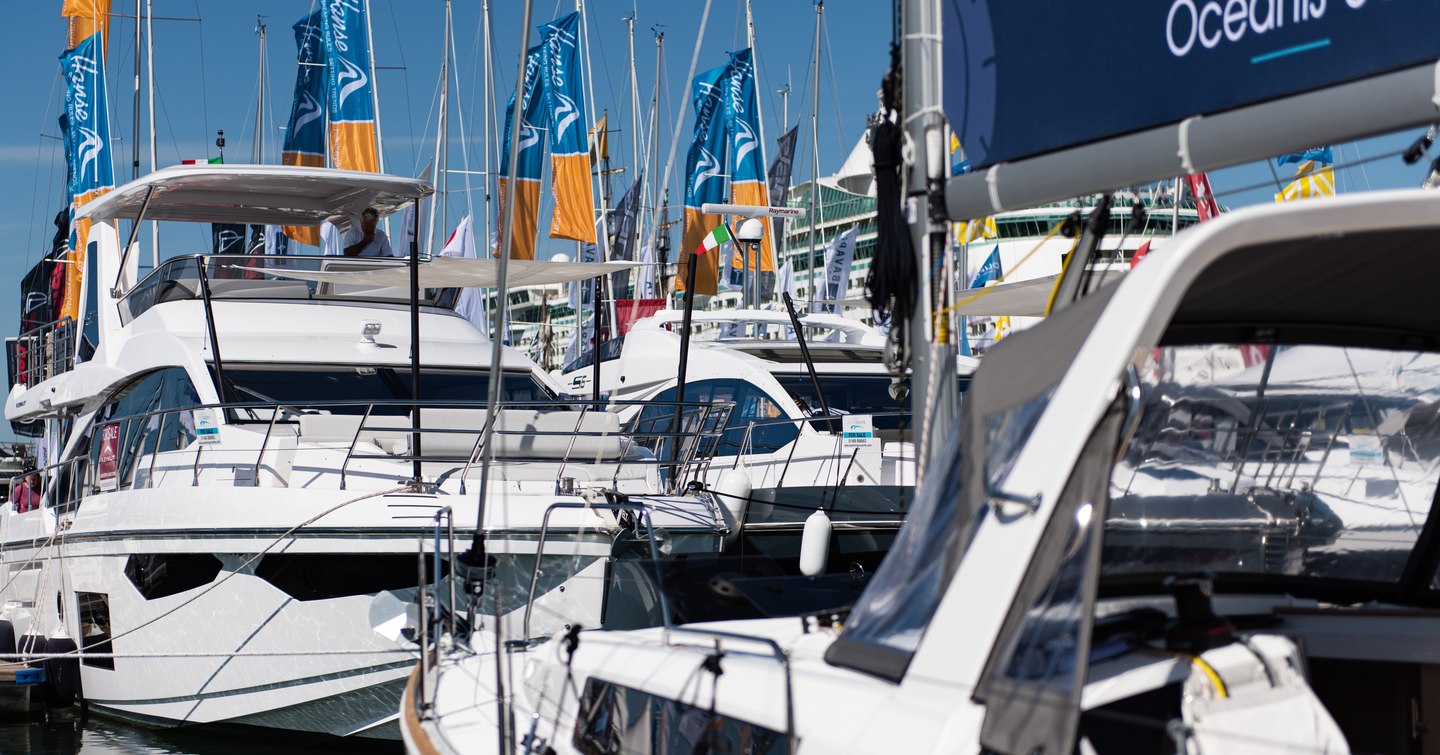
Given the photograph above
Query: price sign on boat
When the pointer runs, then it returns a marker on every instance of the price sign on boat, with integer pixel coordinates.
(207, 430)
(859, 431)
(107, 474)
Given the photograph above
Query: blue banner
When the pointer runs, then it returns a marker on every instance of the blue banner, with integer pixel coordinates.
(705, 179)
(574, 216)
(350, 95)
(747, 157)
(989, 271)
(88, 158)
(1025, 77)
(533, 119)
(305, 134)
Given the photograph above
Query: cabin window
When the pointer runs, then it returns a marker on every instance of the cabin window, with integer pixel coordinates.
(616, 719)
(360, 385)
(95, 628)
(773, 427)
(139, 421)
(850, 394)
(160, 575)
(1283, 461)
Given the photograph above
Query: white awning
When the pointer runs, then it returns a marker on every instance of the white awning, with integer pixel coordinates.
(1026, 298)
(259, 194)
(454, 272)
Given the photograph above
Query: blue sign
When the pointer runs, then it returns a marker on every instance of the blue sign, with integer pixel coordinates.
(1025, 77)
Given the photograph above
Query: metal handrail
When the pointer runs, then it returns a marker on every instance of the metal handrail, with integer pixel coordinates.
(775, 650)
(644, 512)
(49, 351)
(160, 418)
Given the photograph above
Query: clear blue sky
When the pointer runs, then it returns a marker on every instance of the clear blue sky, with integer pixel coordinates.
(207, 71)
(206, 76)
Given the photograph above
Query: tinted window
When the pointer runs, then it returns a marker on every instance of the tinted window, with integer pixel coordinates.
(303, 384)
(773, 429)
(616, 719)
(1319, 464)
(142, 428)
(850, 394)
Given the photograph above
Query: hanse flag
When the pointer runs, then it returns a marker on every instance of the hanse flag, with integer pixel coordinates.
(717, 236)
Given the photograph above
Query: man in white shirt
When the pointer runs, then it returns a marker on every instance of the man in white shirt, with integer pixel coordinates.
(367, 241)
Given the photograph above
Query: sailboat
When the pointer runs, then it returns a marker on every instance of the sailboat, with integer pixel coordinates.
(1008, 618)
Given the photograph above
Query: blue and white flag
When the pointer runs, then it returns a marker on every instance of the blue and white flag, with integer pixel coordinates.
(838, 260)
(88, 158)
(645, 286)
(350, 94)
(1323, 155)
(989, 270)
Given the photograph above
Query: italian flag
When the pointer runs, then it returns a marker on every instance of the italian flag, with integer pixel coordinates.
(713, 239)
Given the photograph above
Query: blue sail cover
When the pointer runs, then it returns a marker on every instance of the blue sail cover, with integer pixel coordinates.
(1077, 72)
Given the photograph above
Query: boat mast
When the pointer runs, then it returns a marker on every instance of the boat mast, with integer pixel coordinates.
(257, 151)
(442, 143)
(933, 385)
(752, 276)
(135, 166)
(652, 159)
(815, 162)
(150, 97)
(602, 235)
(634, 95)
(375, 96)
(779, 243)
(490, 138)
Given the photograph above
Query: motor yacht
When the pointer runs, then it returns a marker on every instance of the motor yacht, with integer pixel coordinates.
(254, 469)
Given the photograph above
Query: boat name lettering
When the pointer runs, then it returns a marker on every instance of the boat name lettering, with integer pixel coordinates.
(339, 12)
(1212, 21)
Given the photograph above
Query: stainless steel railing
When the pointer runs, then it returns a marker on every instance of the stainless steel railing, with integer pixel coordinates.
(125, 451)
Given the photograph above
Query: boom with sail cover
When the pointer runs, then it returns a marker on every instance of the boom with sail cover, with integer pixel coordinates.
(1253, 86)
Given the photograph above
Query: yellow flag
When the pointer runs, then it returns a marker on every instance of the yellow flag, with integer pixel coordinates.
(600, 141)
(86, 18)
(1309, 182)
(976, 230)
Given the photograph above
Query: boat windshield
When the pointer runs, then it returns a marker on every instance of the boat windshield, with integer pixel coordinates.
(301, 384)
(1302, 461)
(262, 277)
(849, 394)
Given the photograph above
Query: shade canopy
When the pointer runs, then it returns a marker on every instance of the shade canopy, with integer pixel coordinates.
(455, 272)
(258, 194)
